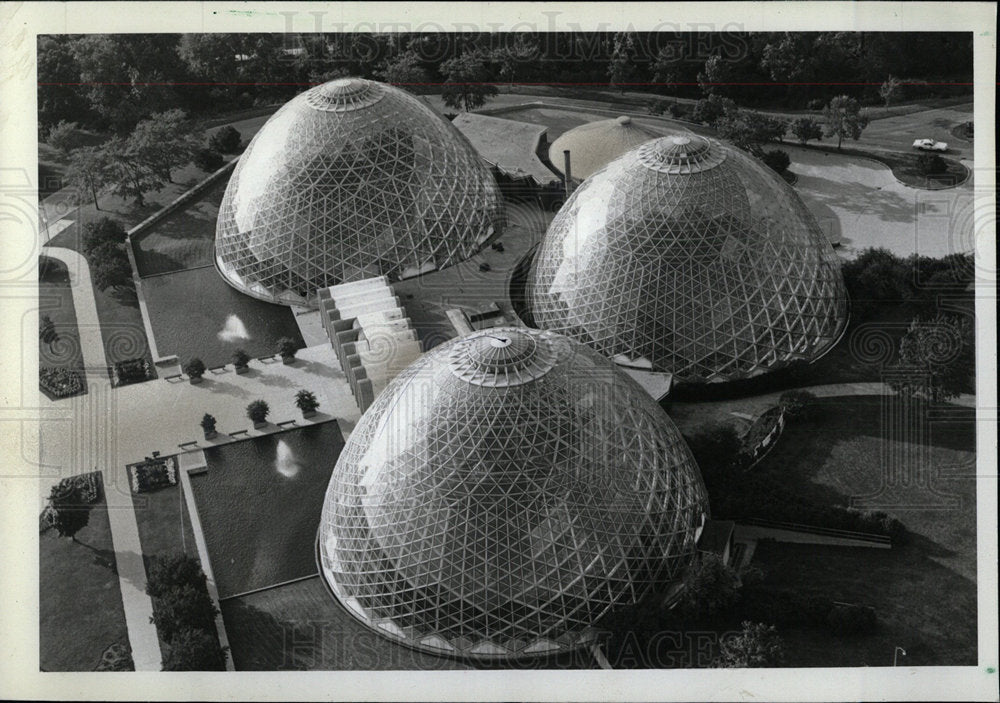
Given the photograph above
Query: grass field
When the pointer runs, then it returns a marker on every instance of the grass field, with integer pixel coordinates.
(80, 603)
(55, 299)
(182, 240)
(924, 591)
(260, 503)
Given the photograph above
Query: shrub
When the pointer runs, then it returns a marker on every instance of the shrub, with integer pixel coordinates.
(208, 160)
(208, 423)
(711, 590)
(931, 164)
(226, 140)
(306, 401)
(287, 346)
(777, 159)
(195, 368)
(130, 371)
(182, 607)
(678, 110)
(795, 403)
(240, 357)
(756, 645)
(101, 232)
(172, 570)
(60, 382)
(195, 650)
(658, 107)
(708, 110)
(117, 657)
(805, 129)
(258, 411)
(816, 104)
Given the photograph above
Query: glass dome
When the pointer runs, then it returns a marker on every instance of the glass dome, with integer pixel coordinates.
(688, 256)
(502, 494)
(350, 180)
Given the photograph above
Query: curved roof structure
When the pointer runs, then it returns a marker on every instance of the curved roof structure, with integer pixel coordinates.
(595, 144)
(503, 494)
(350, 180)
(689, 256)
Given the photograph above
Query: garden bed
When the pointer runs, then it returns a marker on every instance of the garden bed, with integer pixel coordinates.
(60, 358)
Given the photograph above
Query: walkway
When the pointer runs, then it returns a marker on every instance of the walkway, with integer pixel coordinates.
(91, 341)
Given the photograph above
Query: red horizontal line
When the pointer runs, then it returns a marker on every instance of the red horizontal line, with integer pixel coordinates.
(496, 83)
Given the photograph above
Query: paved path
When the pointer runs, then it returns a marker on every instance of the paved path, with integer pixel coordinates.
(91, 342)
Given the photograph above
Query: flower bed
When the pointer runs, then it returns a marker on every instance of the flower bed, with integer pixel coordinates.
(153, 475)
(762, 436)
(57, 382)
(130, 371)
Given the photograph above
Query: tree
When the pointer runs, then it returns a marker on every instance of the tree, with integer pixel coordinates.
(756, 645)
(208, 160)
(936, 359)
(65, 137)
(47, 331)
(890, 90)
(130, 174)
(162, 143)
(930, 164)
(467, 85)
(70, 509)
(777, 160)
(226, 140)
(749, 129)
(166, 572)
(88, 170)
(713, 77)
(709, 110)
(843, 118)
(712, 589)
(622, 63)
(194, 649)
(287, 347)
(258, 411)
(805, 128)
(109, 267)
(665, 66)
(101, 232)
(403, 70)
(512, 55)
(59, 94)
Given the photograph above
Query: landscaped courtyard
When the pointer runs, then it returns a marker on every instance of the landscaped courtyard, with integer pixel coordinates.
(260, 502)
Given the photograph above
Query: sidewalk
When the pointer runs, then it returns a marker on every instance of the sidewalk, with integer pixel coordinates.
(91, 342)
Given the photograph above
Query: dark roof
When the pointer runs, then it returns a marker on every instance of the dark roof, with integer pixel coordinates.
(715, 535)
(508, 145)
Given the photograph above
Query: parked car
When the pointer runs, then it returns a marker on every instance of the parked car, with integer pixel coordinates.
(930, 145)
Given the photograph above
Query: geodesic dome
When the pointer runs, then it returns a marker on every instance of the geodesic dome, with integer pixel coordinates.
(502, 494)
(350, 180)
(593, 145)
(691, 257)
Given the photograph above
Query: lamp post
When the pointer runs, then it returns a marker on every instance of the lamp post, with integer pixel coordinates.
(896, 652)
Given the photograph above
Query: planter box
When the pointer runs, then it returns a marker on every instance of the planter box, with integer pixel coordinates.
(242, 369)
(211, 435)
(260, 425)
(308, 413)
(195, 380)
(288, 360)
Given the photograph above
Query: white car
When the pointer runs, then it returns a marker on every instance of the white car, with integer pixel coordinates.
(930, 145)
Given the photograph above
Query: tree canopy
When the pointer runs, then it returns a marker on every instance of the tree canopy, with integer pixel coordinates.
(467, 85)
(843, 118)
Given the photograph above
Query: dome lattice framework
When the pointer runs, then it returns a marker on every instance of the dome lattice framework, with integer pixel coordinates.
(594, 144)
(504, 493)
(350, 180)
(688, 256)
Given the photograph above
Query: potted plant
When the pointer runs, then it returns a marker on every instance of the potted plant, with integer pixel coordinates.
(241, 361)
(195, 369)
(306, 402)
(287, 347)
(258, 411)
(208, 424)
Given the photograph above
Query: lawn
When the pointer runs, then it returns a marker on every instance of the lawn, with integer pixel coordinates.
(55, 299)
(182, 240)
(195, 313)
(300, 626)
(924, 591)
(80, 603)
(260, 503)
